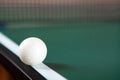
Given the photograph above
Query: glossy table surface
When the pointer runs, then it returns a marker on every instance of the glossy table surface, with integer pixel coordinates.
(84, 51)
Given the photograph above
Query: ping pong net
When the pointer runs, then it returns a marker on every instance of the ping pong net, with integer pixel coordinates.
(59, 10)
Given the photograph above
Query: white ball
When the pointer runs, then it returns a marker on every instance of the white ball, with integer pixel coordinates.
(32, 51)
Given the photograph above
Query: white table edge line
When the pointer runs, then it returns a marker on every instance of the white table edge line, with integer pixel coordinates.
(48, 73)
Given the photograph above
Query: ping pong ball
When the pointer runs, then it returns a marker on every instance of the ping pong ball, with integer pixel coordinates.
(32, 51)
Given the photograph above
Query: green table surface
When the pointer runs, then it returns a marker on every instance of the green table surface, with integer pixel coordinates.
(84, 51)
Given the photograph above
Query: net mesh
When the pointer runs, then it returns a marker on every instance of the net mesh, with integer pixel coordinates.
(59, 10)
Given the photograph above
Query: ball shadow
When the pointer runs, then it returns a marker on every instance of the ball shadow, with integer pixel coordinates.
(58, 66)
